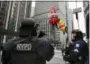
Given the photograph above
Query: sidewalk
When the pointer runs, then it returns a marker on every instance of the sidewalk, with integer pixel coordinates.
(57, 59)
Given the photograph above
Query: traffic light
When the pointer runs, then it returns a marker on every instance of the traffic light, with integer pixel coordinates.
(76, 15)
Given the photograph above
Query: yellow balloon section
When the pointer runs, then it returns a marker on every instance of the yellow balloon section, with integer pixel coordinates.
(61, 25)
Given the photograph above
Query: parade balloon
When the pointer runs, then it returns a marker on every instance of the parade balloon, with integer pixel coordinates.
(54, 20)
(61, 25)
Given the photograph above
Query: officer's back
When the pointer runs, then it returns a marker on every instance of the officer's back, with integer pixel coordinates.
(26, 48)
(25, 53)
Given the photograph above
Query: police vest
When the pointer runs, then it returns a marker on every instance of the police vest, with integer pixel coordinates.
(25, 53)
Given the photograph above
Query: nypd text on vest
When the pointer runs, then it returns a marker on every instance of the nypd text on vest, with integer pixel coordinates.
(24, 47)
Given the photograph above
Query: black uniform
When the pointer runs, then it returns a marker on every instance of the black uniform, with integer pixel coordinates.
(27, 49)
(79, 52)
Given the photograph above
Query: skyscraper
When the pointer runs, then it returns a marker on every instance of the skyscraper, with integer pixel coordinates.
(16, 11)
(41, 15)
(86, 5)
(3, 15)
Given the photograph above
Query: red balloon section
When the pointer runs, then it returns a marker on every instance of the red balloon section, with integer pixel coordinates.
(54, 20)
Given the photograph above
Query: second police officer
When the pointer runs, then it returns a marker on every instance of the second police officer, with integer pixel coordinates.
(78, 52)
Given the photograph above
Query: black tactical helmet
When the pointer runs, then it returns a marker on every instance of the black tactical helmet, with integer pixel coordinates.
(79, 34)
(28, 28)
(28, 23)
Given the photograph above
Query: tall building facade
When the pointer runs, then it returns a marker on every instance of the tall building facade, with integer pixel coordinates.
(3, 15)
(42, 10)
(70, 24)
(3, 11)
(41, 15)
(86, 5)
(15, 12)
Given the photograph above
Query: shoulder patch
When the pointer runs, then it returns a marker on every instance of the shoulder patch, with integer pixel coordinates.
(77, 45)
(76, 50)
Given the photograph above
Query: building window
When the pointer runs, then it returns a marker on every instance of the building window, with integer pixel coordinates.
(28, 9)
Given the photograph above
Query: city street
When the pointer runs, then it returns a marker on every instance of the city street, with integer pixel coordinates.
(58, 23)
(57, 59)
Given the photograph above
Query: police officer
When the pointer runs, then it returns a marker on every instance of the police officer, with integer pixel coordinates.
(27, 48)
(79, 52)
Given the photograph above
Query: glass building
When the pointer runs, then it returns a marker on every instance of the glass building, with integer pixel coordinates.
(14, 12)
